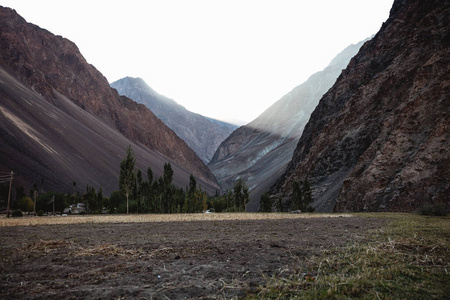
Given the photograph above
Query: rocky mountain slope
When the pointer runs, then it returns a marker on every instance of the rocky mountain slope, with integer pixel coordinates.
(82, 122)
(259, 151)
(201, 134)
(379, 138)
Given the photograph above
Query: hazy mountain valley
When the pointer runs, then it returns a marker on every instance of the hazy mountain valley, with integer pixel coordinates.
(201, 134)
(259, 151)
(370, 131)
(62, 122)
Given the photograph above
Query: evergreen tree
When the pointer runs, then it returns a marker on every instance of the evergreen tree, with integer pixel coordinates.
(127, 174)
(307, 196)
(192, 185)
(265, 204)
(150, 175)
(91, 200)
(241, 194)
(168, 194)
(297, 197)
(139, 190)
(115, 200)
(148, 195)
(100, 201)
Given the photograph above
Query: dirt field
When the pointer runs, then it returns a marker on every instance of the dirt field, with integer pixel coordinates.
(163, 257)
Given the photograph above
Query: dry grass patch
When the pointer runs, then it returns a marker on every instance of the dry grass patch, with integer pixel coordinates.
(54, 220)
(408, 259)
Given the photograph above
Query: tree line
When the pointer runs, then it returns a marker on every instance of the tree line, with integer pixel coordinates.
(138, 193)
(301, 199)
(162, 196)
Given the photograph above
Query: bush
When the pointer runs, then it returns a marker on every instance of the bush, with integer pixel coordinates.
(310, 209)
(433, 210)
(40, 213)
(26, 204)
(17, 213)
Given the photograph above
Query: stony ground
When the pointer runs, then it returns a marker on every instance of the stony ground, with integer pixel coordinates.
(164, 260)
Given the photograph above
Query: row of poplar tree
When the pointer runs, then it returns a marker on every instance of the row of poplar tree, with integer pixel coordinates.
(159, 195)
(162, 196)
(301, 199)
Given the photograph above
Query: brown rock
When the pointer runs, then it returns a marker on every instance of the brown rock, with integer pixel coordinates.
(378, 139)
(53, 66)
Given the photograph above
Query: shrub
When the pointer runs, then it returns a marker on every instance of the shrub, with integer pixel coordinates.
(40, 213)
(17, 213)
(310, 209)
(433, 210)
(26, 204)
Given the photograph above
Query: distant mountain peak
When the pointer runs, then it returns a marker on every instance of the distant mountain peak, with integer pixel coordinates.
(76, 112)
(259, 151)
(378, 139)
(202, 134)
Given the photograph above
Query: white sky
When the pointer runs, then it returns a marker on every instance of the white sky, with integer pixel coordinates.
(228, 59)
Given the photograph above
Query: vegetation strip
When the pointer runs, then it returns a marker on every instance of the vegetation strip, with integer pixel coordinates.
(34, 221)
(408, 258)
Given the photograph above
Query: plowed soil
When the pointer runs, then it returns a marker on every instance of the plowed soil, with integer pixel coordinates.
(209, 259)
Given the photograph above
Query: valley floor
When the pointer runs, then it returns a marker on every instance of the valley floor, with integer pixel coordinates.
(189, 256)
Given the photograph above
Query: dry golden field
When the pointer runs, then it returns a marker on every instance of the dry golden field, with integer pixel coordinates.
(133, 218)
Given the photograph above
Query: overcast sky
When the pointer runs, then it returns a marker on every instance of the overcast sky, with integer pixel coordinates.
(227, 59)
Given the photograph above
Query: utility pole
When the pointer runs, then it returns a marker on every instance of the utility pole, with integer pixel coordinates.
(9, 194)
(35, 194)
(52, 201)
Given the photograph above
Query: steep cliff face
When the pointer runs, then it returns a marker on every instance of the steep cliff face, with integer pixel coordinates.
(54, 68)
(259, 151)
(379, 138)
(201, 134)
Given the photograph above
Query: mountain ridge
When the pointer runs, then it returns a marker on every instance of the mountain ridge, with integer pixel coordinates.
(377, 139)
(200, 133)
(259, 151)
(53, 68)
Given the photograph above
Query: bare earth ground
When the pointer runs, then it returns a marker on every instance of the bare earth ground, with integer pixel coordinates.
(144, 257)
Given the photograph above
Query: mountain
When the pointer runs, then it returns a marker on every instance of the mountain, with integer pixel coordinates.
(259, 151)
(62, 122)
(203, 135)
(379, 138)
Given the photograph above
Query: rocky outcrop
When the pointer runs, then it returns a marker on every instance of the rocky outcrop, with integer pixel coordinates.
(259, 151)
(53, 67)
(379, 138)
(201, 134)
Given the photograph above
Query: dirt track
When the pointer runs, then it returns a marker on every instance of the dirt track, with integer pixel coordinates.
(164, 260)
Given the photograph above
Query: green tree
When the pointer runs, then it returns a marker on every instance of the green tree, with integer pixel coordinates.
(168, 197)
(265, 203)
(307, 196)
(297, 197)
(100, 201)
(127, 175)
(280, 207)
(25, 204)
(115, 200)
(192, 185)
(139, 190)
(147, 192)
(91, 200)
(44, 202)
(241, 194)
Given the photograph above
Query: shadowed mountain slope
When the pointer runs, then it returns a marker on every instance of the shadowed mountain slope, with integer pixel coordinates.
(201, 134)
(259, 151)
(379, 138)
(82, 124)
